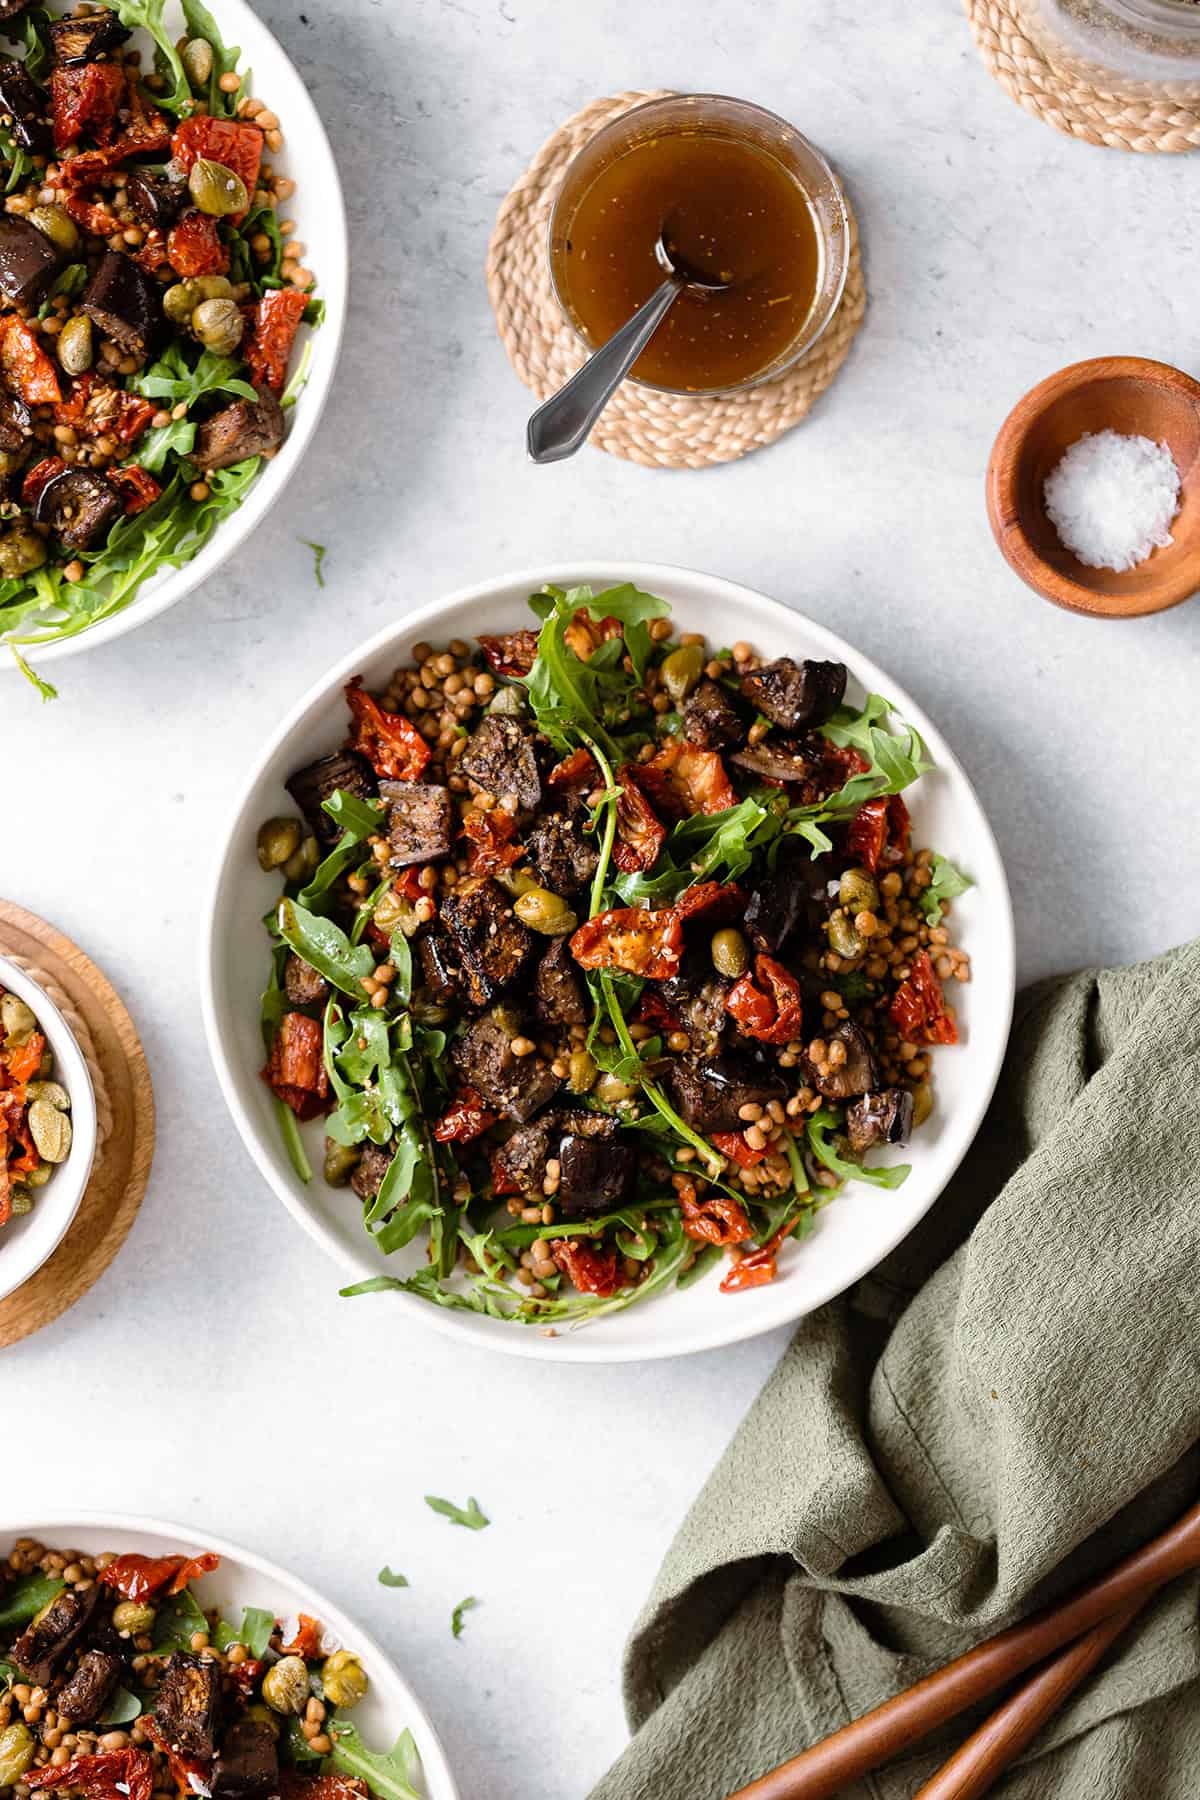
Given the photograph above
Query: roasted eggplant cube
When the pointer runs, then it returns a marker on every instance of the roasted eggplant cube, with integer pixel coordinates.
(517, 1086)
(20, 99)
(124, 302)
(502, 758)
(564, 859)
(711, 719)
(313, 784)
(247, 1765)
(420, 820)
(491, 943)
(699, 1001)
(557, 994)
(780, 900)
(856, 1074)
(16, 425)
(53, 1634)
(12, 9)
(373, 1165)
(87, 1693)
(80, 506)
(156, 197)
(188, 1704)
(783, 759)
(83, 37)
(247, 428)
(439, 966)
(596, 1174)
(28, 261)
(882, 1118)
(711, 1093)
(302, 984)
(796, 695)
(520, 1164)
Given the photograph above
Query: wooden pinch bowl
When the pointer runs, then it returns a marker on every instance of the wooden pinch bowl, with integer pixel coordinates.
(1128, 394)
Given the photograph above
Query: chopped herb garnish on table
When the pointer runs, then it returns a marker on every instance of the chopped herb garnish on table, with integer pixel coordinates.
(471, 1515)
(389, 1578)
(319, 553)
(457, 1617)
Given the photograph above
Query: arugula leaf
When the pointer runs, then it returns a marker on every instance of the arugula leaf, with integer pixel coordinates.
(70, 281)
(122, 1709)
(33, 28)
(173, 378)
(562, 688)
(318, 551)
(25, 1597)
(947, 884)
(162, 441)
(456, 1617)
(261, 223)
(821, 1126)
(147, 15)
(9, 1673)
(634, 609)
(254, 1632)
(325, 945)
(706, 1257)
(389, 1578)
(389, 1777)
(201, 24)
(472, 1517)
(178, 1618)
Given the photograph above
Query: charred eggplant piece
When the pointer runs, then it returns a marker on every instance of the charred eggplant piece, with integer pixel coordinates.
(857, 1074)
(302, 984)
(80, 506)
(562, 856)
(87, 1693)
(373, 1165)
(778, 903)
(700, 1003)
(501, 758)
(16, 425)
(439, 969)
(520, 1163)
(796, 695)
(247, 1766)
(517, 1086)
(420, 818)
(557, 995)
(882, 1118)
(710, 1093)
(247, 428)
(20, 99)
(156, 197)
(711, 719)
(28, 261)
(597, 1171)
(188, 1705)
(12, 9)
(492, 944)
(317, 781)
(124, 302)
(53, 1634)
(84, 37)
(780, 761)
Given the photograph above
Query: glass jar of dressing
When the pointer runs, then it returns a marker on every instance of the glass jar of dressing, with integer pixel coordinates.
(735, 194)
(1144, 49)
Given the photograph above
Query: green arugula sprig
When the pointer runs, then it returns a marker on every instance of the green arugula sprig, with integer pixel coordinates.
(471, 1515)
(947, 883)
(389, 1777)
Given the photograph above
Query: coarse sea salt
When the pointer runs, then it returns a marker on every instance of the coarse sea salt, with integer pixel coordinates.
(1111, 498)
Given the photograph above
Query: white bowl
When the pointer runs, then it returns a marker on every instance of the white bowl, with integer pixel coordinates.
(245, 1579)
(850, 1236)
(27, 1242)
(319, 211)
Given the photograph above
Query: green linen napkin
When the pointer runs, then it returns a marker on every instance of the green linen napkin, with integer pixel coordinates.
(1006, 1406)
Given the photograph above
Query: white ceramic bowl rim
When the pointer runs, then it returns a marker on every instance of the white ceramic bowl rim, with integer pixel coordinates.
(741, 1320)
(27, 1242)
(274, 72)
(439, 1780)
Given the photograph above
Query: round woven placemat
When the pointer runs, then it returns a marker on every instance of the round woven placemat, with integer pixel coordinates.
(1066, 98)
(661, 431)
(124, 1119)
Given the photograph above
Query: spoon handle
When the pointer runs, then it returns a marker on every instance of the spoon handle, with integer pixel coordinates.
(558, 428)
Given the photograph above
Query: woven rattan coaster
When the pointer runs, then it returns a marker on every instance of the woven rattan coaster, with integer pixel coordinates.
(661, 431)
(1064, 97)
(124, 1120)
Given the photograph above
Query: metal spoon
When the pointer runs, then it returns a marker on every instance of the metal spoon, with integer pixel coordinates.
(562, 423)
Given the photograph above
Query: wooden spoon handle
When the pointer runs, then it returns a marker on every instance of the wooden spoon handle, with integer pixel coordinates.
(985, 1755)
(821, 1771)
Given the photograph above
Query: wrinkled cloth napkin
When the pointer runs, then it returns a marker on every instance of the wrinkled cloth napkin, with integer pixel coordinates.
(1009, 1404)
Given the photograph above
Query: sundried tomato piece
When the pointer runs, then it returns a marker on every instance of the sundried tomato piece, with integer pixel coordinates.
(466, 1119)
(757, 1267)
(14, 1119)
(653, 1010)
(391, 743)
(5, 1182)
(112, 1775)
(86, 98)
(716, 1219)
(492, 837)
(408, 886)
(576, 771)
(767, 1004)
(640, 833)
(192, 1775)
(584, 635)
(733, 1145)
(245, 1676)
(21, 1061)
(93, 215)
(274, 323)
(307, 1641)
(234, 143)
(137, 1577)
(296, 1071)
(879, 832)
(194, 246)
(683, 779)
(136, 486)
(631, 938)
(153, 254)
(711, 901)
(511, 653)
(839, 762)
(37, 478)
(145, 133)
(100, 409)
(294, 1786)
(591, 1270)
(918, 1009)
(26, 368)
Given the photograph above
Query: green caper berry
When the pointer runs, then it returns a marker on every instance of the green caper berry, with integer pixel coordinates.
(17, 1751)
(582, 1071)
(545, 912)
(278, 839)
(197, 59)
(341, 1160)
(844, 939)
(682, 670)
(55, 223)
(20, 1200)
(285, 1685)
(730, 952)
(21, 551)
(858, 891)
(133, 1616)
(509, 702)
(301, 865)
(75, 347)
(219, 325)
(17, 1019)
(217, 191)
(344, 1679)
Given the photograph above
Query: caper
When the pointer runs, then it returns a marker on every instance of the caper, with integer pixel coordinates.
(219, 325)
(38, 1177)
(20, 1199)
(50, 1130)
(21, 550)
(922, 1103)
(730, 952)
(75, 350)
(183, 297)
(611, 1089)
(285, 1685)
(55, 223)
(509, 702)
(277, 840)
(394, 913)
(858, 891)
(682, 670)
(344, 1679)
(133, 1616)
(843, 937)
(197, 59)
(17, 1750)
(217, 190)
(545, 912)
(517, 881)
(582, 1071)
(302, 863)
(341, 1160)
(17, 1019)
(53, 1091)
(428, 1012)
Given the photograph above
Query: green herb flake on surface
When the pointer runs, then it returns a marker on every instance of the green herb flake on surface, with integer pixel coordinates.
(457, 1617)
(472, 1517)
(389, 1578)
(319, 553)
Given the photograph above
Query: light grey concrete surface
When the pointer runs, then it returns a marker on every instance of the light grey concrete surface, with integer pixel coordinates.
(213, 1374)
